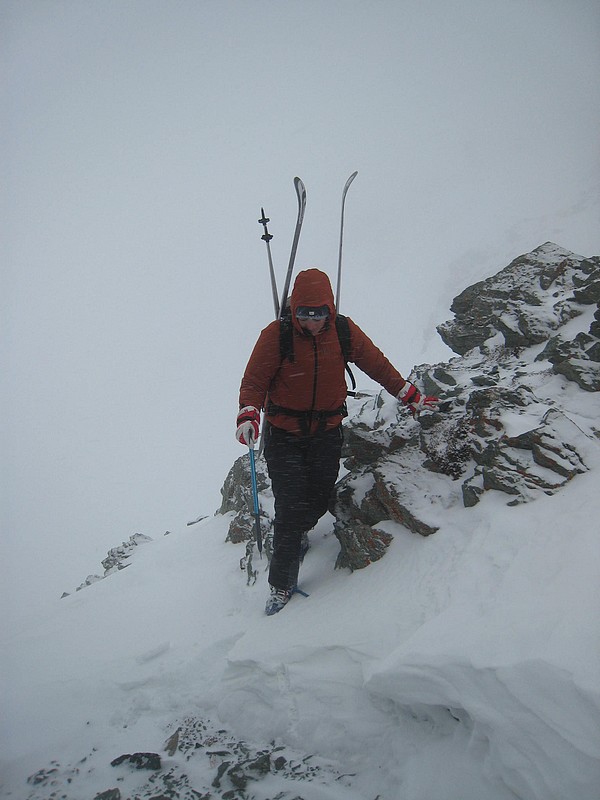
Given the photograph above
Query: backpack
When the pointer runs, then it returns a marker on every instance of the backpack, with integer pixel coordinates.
(286, 340)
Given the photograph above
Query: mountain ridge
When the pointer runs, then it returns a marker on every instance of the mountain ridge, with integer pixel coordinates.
(472, 648)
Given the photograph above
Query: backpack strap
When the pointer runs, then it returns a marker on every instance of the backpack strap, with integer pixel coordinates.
(286, 336)
(343, 331)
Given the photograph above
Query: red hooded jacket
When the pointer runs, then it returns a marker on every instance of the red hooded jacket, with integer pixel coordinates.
(315, 381)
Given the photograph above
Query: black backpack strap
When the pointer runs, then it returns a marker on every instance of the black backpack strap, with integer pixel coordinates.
(343, 331)
(286, 336)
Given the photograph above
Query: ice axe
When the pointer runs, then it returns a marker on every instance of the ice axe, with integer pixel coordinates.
(255, 500)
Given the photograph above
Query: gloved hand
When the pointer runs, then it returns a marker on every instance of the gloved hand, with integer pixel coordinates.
(248, 423)
(411, 397)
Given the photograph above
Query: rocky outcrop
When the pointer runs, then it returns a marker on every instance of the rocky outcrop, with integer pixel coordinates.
(116, 559)
(527, 303)
(237, 499)
(201, 760)
(506, 424)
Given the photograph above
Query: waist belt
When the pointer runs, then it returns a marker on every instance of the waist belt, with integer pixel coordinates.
(307, 417)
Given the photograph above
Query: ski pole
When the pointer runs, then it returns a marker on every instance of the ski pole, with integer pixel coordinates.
(339, 274)
(280, 308)
(266, 237)
(255, 500)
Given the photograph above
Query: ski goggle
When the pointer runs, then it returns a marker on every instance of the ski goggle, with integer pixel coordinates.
(311, 312)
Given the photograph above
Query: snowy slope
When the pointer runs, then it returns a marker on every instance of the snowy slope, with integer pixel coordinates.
(462, 665)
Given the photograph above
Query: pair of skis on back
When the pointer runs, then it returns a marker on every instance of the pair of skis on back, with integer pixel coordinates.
(301, 195)
(280, 306)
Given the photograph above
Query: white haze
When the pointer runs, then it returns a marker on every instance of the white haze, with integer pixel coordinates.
(141, 140)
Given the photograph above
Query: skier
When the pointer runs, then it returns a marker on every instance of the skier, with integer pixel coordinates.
(303, 395)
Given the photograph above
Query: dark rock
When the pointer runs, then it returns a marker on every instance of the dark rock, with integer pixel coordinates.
(359, 448)
(431, 387)
(501, 479)
(483, 380)
(172, 743)
(237, 489)
(590, 265)
(443, 376)
(577, 359)
(496, 397)
(463, 337)
(593, 352)
(237, 497)
(149, 761)
(472, 489)
(42, 776)
(585, 374)
(386, 494)
(589, 292)
(509, 302)
(243, 527)
(109, 794)
(382, 501)
(360, 544)
(447, 444)
(261, 765)
(549, 452)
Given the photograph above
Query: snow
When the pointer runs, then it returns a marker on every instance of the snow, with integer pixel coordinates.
(461, 665)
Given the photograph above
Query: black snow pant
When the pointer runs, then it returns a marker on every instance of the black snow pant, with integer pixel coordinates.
(303, 472)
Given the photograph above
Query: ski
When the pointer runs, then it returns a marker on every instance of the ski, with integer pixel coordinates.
(339, 274)
(301, 195)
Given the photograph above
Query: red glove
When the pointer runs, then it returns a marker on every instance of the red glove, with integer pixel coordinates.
(248, 423)
(411, 397)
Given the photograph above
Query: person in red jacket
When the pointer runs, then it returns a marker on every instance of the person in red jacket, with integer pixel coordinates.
(304, 401)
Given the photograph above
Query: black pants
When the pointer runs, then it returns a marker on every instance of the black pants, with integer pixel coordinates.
(303, 472)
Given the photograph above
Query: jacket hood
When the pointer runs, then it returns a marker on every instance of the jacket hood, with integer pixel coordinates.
(312, 288)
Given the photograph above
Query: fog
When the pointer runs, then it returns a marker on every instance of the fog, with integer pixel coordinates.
(140, 141)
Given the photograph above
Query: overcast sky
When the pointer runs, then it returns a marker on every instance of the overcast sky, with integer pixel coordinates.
(140, 140)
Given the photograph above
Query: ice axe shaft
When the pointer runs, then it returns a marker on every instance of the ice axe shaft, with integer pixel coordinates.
(255, 500)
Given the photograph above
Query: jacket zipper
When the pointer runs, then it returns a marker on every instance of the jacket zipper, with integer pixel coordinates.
(314, 394)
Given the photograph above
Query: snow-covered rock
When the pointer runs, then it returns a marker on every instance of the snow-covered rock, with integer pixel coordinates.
(526, 301)
(508, 425)
(117, 558)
